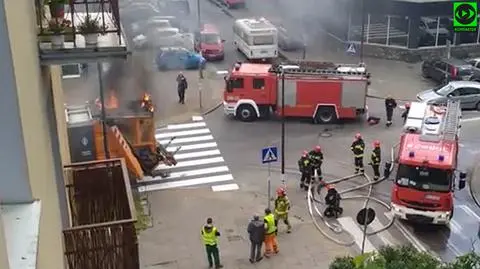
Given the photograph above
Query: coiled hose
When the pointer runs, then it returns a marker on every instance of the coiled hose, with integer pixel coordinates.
(336, 228)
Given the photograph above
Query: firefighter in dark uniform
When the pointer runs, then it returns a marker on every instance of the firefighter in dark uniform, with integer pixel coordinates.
(358, 149)
(316, 157)
(390, 105)
(305, 167)
(375, 159)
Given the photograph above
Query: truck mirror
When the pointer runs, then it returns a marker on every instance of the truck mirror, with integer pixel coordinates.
(386, 170)
(228, 85)
(463, 180)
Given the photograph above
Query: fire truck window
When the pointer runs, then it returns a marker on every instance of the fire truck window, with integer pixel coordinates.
(425, 179)
(237, 83)
(258, 83)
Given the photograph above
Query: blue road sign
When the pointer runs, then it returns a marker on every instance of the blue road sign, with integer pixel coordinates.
(269, 155)
(351, 49)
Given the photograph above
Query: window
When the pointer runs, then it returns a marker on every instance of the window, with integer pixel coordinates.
(263, 40)
(237, 83)
(468, 91)
(258, 83)
(423, 178)
(440, 65)
(71, 71)
(211, 39)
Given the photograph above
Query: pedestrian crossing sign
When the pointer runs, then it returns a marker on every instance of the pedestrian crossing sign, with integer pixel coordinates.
(351, 49)
(269, 155)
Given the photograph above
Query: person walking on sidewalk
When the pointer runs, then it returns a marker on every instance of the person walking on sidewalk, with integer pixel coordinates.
(271, 245)
(256, 231)
(405, 113)
(210, 236)
(390, 105)
(182, 86)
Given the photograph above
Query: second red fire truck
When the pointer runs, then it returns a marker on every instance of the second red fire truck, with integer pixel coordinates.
(322, 91)
(427, 163)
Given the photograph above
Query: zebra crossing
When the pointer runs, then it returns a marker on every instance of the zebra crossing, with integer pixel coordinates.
(199, 161)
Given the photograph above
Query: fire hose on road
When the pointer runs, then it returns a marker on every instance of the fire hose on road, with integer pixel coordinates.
(312, 201)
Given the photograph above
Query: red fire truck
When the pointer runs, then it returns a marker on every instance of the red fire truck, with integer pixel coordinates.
(427, 162)
(322, 91)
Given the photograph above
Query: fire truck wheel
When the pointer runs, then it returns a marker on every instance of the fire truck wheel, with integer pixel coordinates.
(325, 115)
(246, 113)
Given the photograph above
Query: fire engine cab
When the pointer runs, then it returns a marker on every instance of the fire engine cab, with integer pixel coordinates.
(322, 91)
(427, 161)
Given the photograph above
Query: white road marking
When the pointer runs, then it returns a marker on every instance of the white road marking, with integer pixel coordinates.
(469, 211)
(470, 119)
(191, 163)
(197, 154)
(351, 227)
(190, 173)
(385, 236)
(457, 229)
(194, 146)
(406, 233)
(185, 183)
(197, 118)
(186, 125)
(183, 133)
(225, 187)
(187, 139)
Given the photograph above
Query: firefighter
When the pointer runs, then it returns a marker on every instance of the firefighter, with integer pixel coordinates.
(358, 148)
(332, 201)
(305, 167)
(405, 113)
(390, 105)
(282, 206)
(316, 158)
(375, 159)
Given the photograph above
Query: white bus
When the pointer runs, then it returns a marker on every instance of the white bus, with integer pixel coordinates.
(256, 38)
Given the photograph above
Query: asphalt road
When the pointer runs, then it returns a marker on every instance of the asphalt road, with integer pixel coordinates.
(241, 143)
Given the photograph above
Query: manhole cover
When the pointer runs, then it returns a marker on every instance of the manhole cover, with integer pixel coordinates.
(232, 238)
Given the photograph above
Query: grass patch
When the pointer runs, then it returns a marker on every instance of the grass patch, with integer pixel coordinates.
(143, 220)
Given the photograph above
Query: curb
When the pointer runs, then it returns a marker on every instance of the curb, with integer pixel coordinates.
(210, 110)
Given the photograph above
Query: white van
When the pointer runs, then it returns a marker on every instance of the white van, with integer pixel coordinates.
(256, 38)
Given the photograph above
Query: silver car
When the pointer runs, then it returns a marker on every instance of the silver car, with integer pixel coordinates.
(468, 92)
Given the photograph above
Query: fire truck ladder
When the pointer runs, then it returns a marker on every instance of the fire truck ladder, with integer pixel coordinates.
(452, 120)
(323, 68)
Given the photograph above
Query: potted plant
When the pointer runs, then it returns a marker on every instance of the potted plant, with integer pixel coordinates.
(57, 8)
(57, 27)
(90, 29)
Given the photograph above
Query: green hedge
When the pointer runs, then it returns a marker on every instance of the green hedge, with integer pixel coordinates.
(405, 257)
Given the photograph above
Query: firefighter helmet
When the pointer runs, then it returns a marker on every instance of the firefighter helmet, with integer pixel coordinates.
(376, 143)
(358, 136)
(329, 186)
(318, 149)
(281, 191)
(304, 153)
(407, 105)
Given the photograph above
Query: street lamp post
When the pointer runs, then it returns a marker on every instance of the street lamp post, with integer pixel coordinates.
(103, 112)
(198, 13)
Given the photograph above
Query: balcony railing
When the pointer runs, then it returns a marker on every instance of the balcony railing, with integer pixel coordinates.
(102, 217)
(91, 27)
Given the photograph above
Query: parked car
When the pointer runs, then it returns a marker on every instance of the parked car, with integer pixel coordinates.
(289, 40)
(163, 37)
(209, 43)
(444, 70)
(174, 58)
(138, 27)
(428, 29)
(234, 3)
(467, 92)
(475, 62)
(140, 10)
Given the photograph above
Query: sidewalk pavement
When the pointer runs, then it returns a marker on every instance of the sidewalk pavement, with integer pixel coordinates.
(179, 214)
(474, 183)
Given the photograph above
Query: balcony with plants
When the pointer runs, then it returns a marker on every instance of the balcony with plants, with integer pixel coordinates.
(77, 27)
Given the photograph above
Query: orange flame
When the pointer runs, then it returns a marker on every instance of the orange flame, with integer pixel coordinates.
(147, 103)
(110, 103)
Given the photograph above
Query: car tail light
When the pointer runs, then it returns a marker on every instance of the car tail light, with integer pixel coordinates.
(454, 72)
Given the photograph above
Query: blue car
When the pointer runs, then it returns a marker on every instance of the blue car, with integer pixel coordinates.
(178, 58)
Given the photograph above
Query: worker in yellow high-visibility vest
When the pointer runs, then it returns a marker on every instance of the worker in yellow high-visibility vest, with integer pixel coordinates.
(271, 245)
(210, 236)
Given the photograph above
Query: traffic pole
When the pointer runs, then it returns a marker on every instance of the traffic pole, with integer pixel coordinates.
(282, 150)
(103, 111)
(269, 185)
